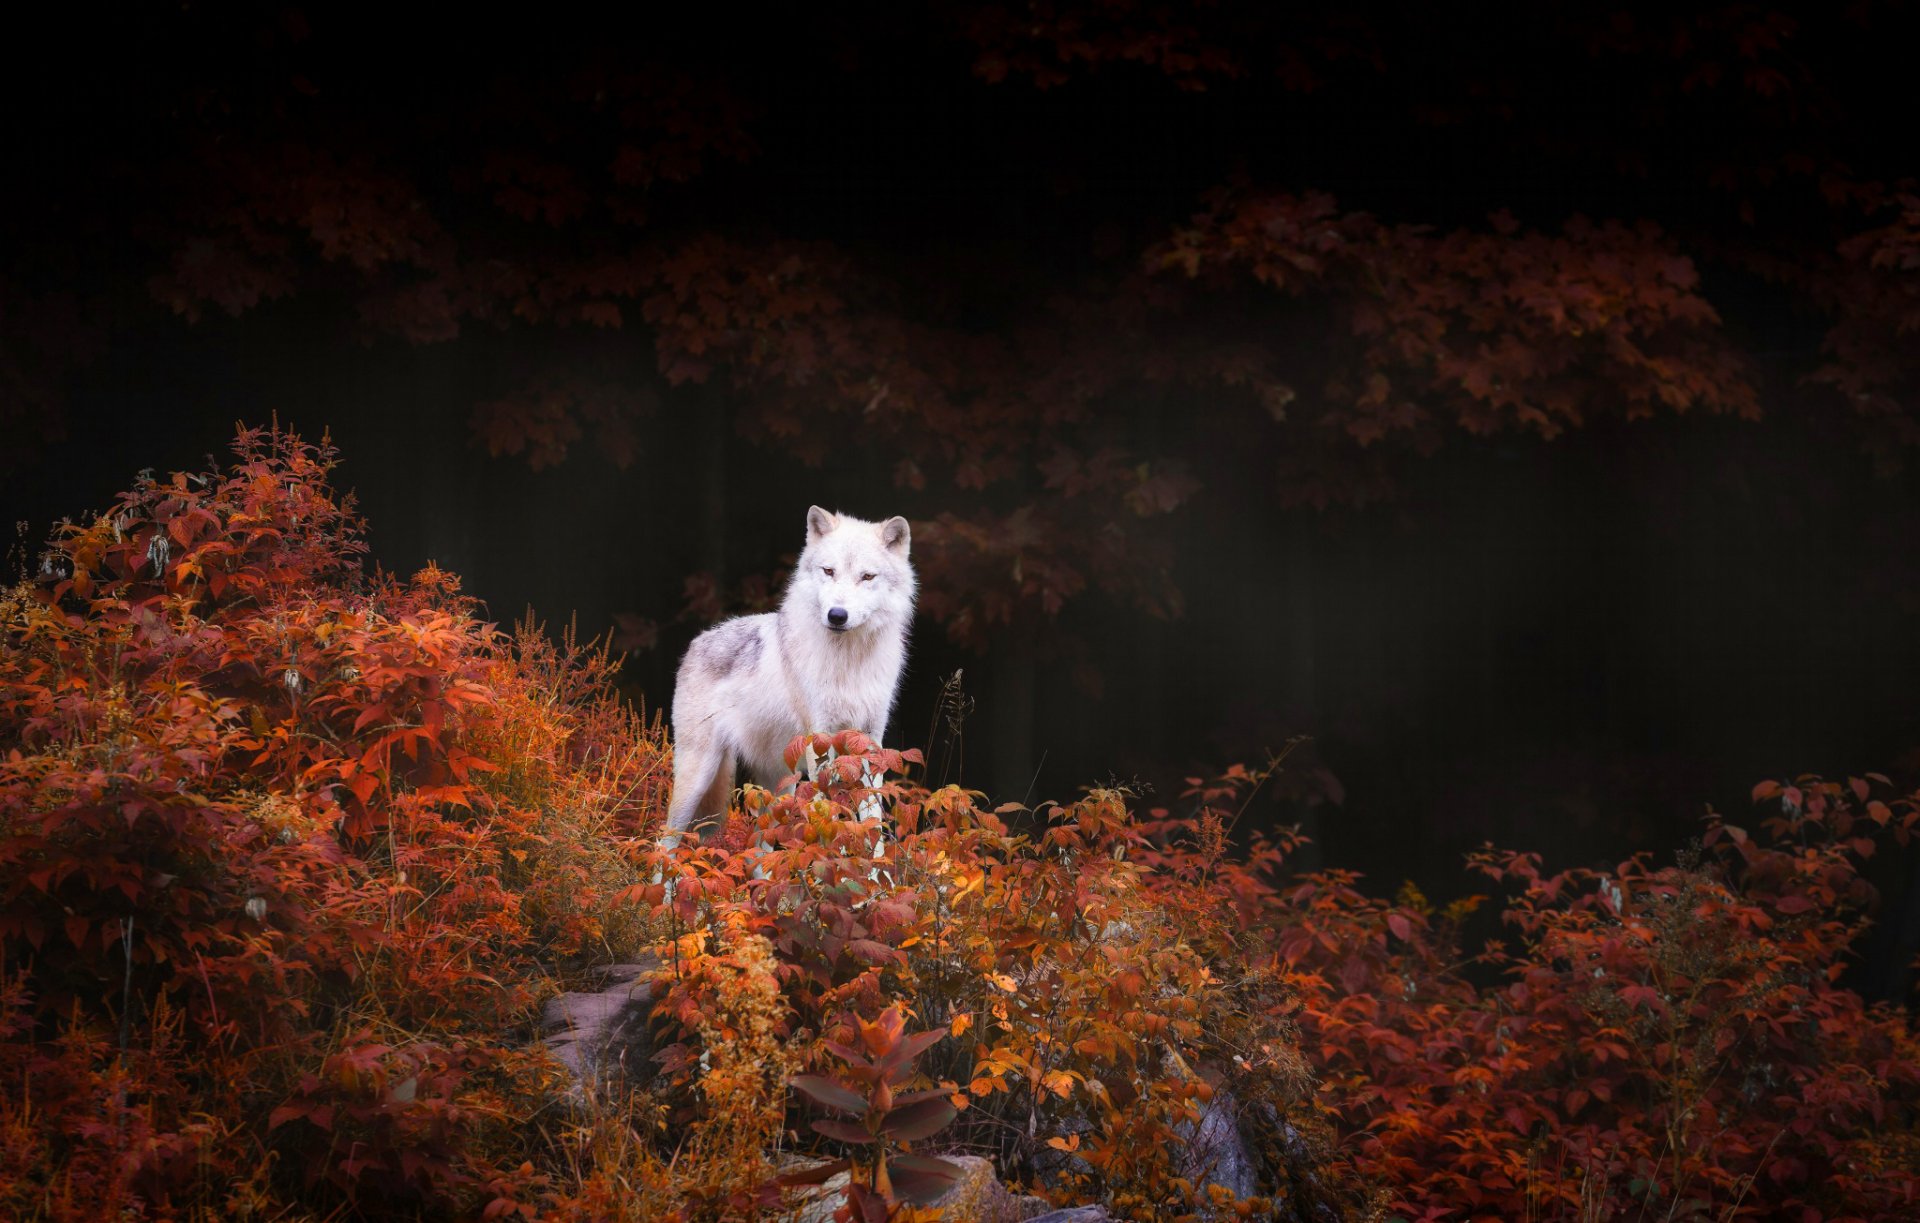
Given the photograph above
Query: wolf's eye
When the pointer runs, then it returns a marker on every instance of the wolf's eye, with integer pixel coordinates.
(828, 572)
(866, 577)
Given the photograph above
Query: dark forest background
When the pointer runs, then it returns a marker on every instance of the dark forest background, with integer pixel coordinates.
(1521, 408)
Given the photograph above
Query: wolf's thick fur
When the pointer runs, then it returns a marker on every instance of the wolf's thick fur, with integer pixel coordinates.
(828, 660)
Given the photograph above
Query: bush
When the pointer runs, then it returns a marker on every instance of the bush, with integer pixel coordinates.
(287, 854)
(1092, 1007)
(1668, 1042)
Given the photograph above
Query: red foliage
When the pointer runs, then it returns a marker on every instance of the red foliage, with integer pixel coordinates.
(298, 832)
(1669, 1041)
(1483, 331)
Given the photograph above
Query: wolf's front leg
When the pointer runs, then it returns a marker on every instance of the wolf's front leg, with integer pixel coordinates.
(869, 807)
(702, 778)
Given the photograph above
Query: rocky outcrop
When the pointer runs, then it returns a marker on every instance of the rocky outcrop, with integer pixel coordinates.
(601, 1035)
(1216, 1151)
(1225, 1147)
(977, 1197)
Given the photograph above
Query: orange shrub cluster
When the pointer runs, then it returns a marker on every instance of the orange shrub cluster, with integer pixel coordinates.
(1644, 1040)
(1666, 1042)
(1091, 1012)
(287, 855)
(290, 853)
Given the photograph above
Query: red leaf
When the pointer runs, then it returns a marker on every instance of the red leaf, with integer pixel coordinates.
(1642, 995)
(922, 1119)
(869, 1207)
(815, 1176)
(922, 1179)
(869, 952)
(910, 1048)
(845, 1131)
(847, 1053)
(825, 1091)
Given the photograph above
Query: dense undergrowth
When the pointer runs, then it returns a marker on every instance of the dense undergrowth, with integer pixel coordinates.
(290, 853)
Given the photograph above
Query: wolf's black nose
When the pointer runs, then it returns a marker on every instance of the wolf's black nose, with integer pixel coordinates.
(837, 617)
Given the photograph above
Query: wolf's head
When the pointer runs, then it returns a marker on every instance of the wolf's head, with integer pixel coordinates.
(854, 574)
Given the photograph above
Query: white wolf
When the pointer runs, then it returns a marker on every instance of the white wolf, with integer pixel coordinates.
(828, 660)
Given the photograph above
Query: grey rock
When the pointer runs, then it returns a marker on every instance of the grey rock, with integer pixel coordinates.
(1300, 1193)
(1211, 1150)
(1216, 1152)
(1051, 1164)
(977, 1197)
(601, 1035)
(1075, 1214)
(818, 1203)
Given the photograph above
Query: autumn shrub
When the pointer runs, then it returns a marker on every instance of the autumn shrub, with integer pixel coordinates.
(874, 1117)
(1668, 1042)
(1089, 1017)
(288, 853)
(743, 1085)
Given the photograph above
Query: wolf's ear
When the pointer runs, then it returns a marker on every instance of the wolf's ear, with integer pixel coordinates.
(895, 535)
(819, 523)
